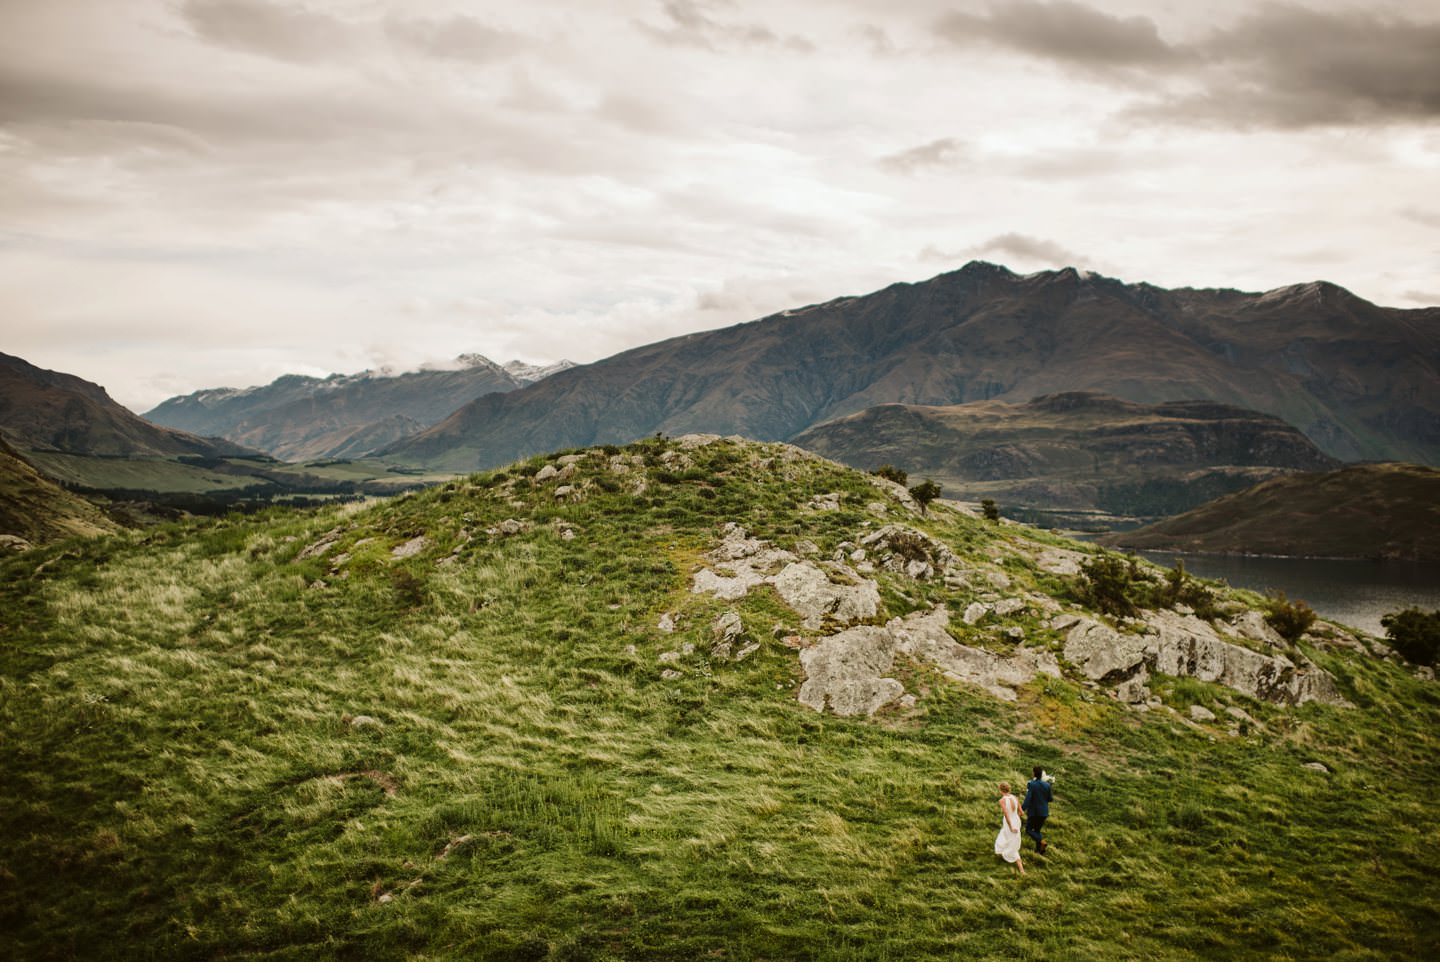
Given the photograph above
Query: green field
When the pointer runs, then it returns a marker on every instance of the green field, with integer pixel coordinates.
(217, 748)
(169, 475)
(160, 474)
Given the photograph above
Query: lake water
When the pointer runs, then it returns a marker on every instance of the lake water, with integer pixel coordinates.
(1356, 593)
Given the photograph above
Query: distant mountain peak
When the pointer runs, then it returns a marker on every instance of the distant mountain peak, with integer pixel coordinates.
(1314, 292)
(526, 373)
(985, 268)
(475, 360)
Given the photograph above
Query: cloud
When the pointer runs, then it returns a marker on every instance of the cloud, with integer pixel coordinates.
(941, 153)
(1068, 33)
(749, 298)
(285, 33)
(458, 38)
(1023, 247)
(1290, 67)
(1283, 66)
(1016, 246)
(691, 25)
(876, 39)
(1425, 217)
(1423, 298)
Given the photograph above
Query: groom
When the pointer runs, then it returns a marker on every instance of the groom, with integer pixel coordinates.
(1037, 808)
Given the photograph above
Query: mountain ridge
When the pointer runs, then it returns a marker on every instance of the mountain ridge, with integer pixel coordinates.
(1370, 510)
(1072, 452)
(342, 416)
(1359, 380)
(53, 411)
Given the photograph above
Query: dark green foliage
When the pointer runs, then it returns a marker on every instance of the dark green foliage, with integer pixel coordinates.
(1110, 584)
(1414, 634)
(409, 590)
(892, 474)
(925, 492)
(1184, 588)
(1291, 619)
(989, 509)
(1118, 586)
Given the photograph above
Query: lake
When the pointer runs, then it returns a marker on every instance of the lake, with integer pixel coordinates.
(1356, 593)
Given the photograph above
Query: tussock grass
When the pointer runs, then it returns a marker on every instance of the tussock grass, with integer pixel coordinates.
(217, 749)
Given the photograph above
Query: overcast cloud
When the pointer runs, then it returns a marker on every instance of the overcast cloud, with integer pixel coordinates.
(197, 193)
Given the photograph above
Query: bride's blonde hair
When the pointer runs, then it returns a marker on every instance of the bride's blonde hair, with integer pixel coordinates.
(1004, 788)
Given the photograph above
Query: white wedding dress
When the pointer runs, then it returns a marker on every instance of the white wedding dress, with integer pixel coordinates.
(1007, 842)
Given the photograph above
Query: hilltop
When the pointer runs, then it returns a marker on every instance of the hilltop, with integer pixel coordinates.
(1074, 455)
(684, 699)
(1379, 510)
(1358, 380)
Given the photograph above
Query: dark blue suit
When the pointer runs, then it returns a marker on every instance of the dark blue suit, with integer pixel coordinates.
(1036, 808)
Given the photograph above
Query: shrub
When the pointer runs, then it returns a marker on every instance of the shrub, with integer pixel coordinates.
(1111, 584)
(409, 590)
(1182, 587)
(1414, 634)
(892, 474)
(1291, 619)
(988, 508)
(924, 493)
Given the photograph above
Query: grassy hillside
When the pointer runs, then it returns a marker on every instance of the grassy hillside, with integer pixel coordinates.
(215, 485)
(1379, 510)
(33, 508)
(465, 724)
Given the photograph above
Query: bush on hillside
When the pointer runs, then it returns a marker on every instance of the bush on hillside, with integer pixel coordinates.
(1183, 588)
(892, 473)
(1414, 634)
(1111, 584)
(924, 493)
(1291, 619)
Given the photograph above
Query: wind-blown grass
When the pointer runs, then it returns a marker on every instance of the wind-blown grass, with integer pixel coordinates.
(217, 749)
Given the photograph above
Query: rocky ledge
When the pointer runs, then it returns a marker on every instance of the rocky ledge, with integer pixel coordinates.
(849, 652)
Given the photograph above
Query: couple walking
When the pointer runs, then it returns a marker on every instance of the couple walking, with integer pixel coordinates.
(1035, 810)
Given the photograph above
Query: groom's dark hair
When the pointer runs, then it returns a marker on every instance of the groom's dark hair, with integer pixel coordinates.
(1039, 770)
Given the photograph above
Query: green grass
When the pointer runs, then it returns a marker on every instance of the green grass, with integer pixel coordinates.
(215, 749)
(158, 473)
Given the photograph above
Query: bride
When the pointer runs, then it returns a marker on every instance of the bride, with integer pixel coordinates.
(1007, 842)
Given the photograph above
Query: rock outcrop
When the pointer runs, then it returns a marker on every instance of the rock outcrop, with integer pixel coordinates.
(849, 671)
(837, 593)
(1182, 645)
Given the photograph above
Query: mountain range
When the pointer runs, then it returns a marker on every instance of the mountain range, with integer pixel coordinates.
(1069, 453)
(1361, 381)
(298, 417)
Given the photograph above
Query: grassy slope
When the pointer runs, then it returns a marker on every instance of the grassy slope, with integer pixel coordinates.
(1372, 510)
(187, 777)
(37, 510)
(169, 475)
(158, 473)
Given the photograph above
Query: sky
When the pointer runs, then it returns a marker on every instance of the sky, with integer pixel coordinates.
(213, 193)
